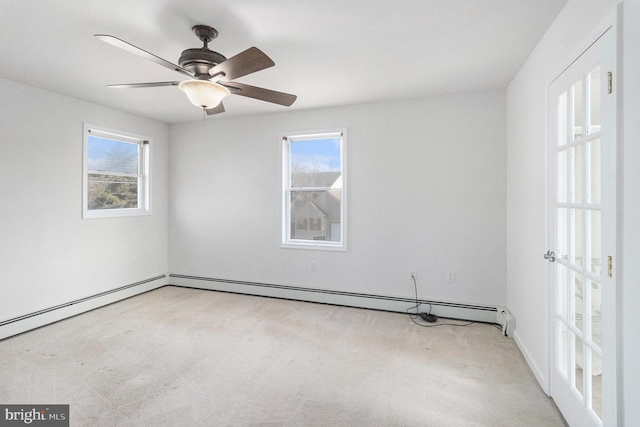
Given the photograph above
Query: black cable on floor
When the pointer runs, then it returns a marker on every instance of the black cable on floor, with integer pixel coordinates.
(413, 316)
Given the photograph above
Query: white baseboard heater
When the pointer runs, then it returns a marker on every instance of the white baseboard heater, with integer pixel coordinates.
(486, 314)
(494, 315)
(27, 322)
(505, 319)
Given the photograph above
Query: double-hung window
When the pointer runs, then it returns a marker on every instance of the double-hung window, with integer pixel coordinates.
(116, 173)
(314, 190)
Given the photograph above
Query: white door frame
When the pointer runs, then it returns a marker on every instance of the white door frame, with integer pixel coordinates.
(610, 22)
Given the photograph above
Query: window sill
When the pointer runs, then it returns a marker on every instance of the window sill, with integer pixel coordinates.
(114, 213)
(306, 244)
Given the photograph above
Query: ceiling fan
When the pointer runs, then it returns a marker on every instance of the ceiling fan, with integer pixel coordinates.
(210, 74)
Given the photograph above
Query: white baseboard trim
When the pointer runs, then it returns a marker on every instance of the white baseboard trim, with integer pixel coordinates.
(40, 318)
(538, 373)
(476, 313)
(378, 302)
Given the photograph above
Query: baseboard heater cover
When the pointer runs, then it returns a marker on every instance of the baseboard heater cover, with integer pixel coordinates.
(505, 319)
(450, 310)
(27, 322)
(487, 314)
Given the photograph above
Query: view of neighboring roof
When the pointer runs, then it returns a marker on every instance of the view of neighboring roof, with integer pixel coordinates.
(329, 203)
(314, 179)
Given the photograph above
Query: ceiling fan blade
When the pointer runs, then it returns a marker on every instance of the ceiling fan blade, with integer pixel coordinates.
(246, 62)
(260, 93)
(140, 85)
(215, 110)
(142, 53)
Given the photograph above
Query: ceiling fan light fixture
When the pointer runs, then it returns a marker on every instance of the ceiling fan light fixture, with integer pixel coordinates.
(203, 93)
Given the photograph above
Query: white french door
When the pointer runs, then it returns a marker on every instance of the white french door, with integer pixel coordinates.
(582, 224)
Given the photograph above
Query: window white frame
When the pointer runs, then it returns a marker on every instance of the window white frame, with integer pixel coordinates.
(143, 176)
(286, 188)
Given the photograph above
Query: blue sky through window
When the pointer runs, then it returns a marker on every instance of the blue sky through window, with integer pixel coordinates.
(315, 155)
(109, 155)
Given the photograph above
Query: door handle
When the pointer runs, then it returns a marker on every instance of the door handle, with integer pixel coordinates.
(550, 255)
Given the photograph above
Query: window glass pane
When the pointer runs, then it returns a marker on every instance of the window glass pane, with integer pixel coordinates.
(595, 244)
(563, 234)
(576, 193)
(596, 313)
(112, 192)
(579, 366)
(315, 215)
(595, 171)
(561, 168)
(562, 361)
(578, 293)
(108, 155)
(577, 243)
(562, 119)
(596, 383)
(594, 100)
(315, 162)
(577, 110)
(563, 290)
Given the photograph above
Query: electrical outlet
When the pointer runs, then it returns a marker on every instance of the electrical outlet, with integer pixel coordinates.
(451, 277)
(313, 266)
(134, 262)
(413, 274)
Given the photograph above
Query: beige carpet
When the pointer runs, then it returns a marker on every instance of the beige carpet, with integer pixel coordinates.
(185, 357)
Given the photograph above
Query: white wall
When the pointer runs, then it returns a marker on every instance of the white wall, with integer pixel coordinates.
(630, 295)
(49, 254)
(426, 191)
(526, 106)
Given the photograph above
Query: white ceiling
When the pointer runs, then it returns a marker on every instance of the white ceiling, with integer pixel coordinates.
(327, 52)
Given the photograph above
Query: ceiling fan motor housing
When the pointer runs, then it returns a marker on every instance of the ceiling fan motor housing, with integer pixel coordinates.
(200, 60)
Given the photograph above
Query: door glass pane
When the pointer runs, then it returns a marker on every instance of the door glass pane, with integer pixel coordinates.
(576, 190)
(579, 365)
(562, 173)
(562, 362)
(596, 383)
(595, 174)
(577, 249)
(578, 294)
(577, 110)
(594, 100)
(562, 233)
(562, 118)
(596, 313)
(595, 241)
(563, 290)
